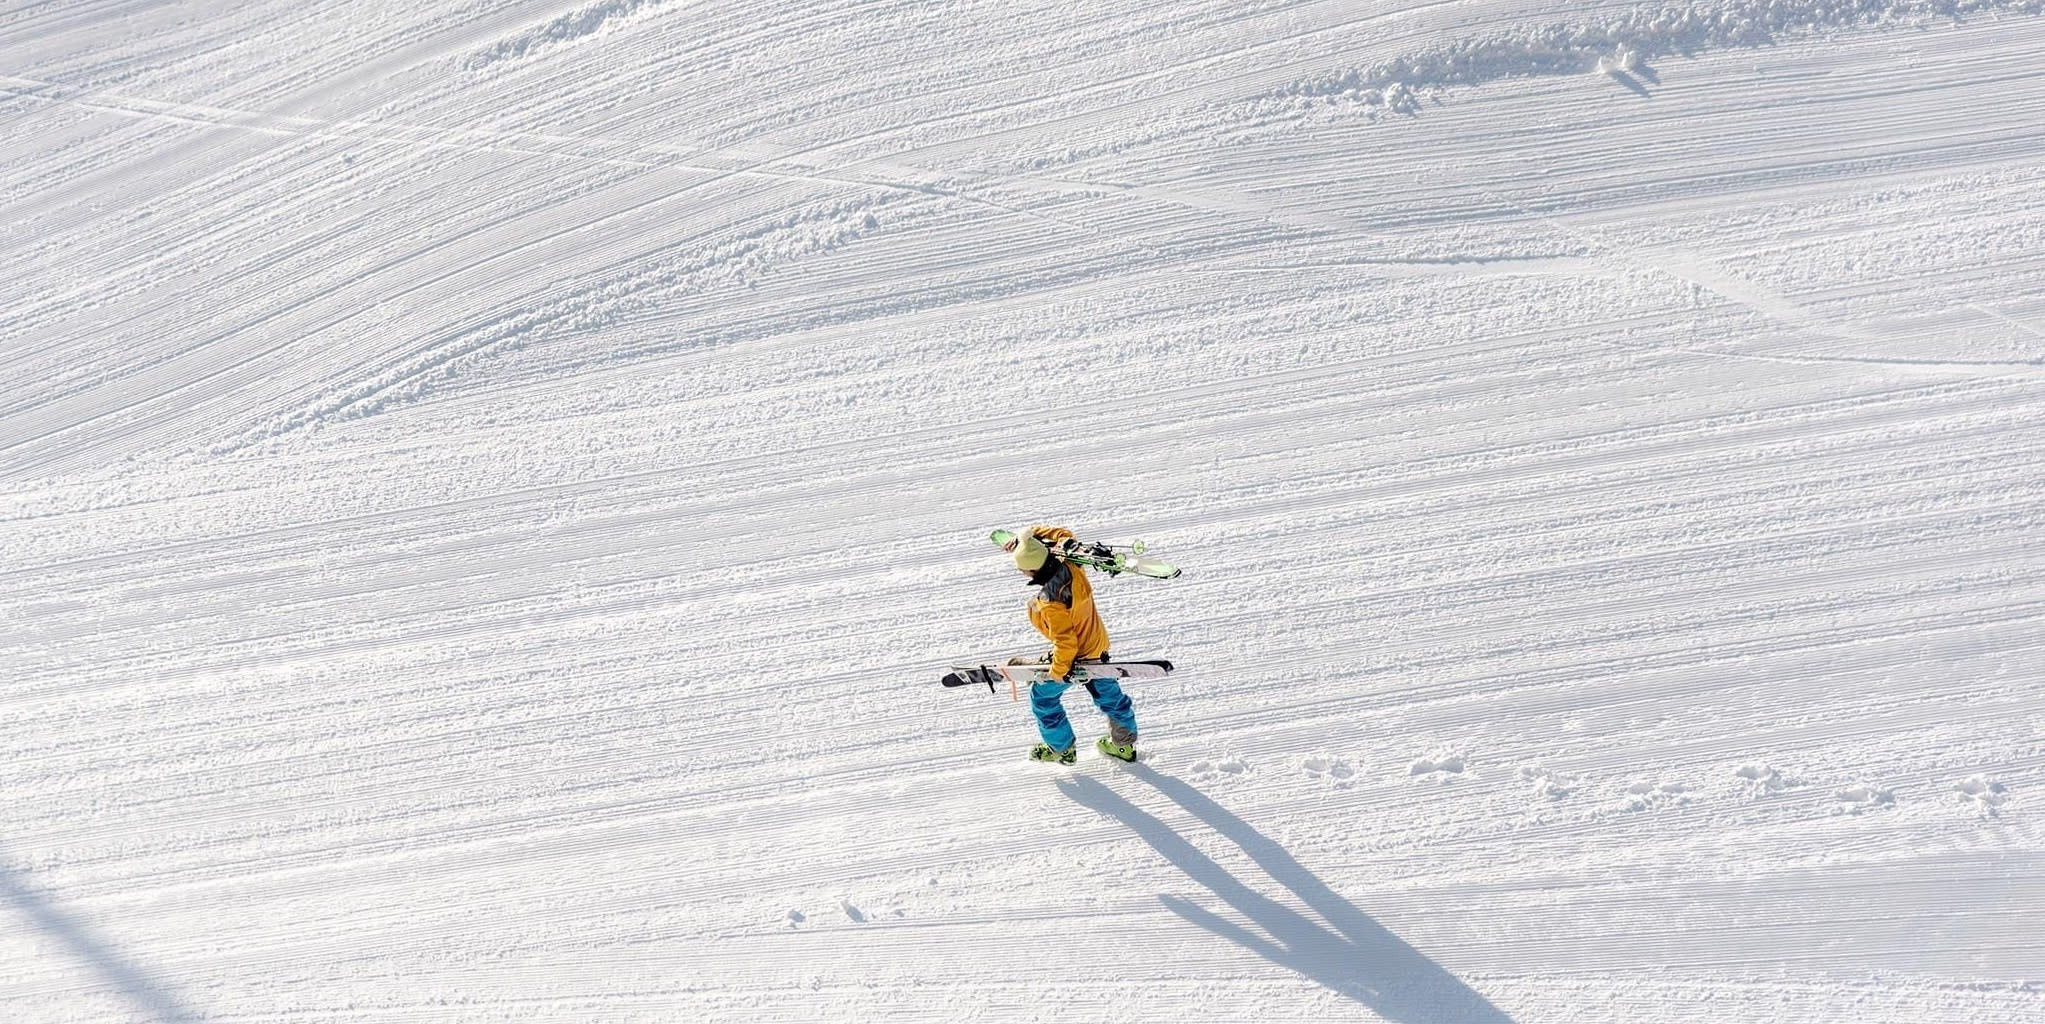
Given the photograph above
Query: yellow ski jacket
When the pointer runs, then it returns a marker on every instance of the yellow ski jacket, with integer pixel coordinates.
(1064, 609)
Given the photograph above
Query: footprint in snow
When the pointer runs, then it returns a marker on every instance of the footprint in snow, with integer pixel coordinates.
(1987, 795)
(1548, 786)
(1334, 769)
(796, 918)
(1218, 767)
(1861, 799)
(1764, 781)
(1647, 796)
(857, 915)
(1441, 767)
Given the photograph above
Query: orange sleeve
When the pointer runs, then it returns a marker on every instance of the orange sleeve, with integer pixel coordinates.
(1064, 634)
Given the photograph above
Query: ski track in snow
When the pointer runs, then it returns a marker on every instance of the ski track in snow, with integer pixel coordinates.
(487, 489)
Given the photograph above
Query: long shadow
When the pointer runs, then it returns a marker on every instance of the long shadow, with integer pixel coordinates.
(1629, 82)
(1345, 951)
(114, 970)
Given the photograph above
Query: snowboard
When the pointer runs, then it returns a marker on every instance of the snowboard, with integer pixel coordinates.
(1109, 558)
(1037, 672)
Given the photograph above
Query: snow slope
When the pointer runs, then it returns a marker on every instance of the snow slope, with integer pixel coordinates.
(486, 490)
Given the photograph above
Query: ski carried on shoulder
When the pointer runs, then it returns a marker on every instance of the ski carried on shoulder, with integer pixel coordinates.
(1113, 559)
(1038, 672)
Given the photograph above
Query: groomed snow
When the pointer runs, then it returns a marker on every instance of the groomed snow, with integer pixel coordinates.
(487, 490)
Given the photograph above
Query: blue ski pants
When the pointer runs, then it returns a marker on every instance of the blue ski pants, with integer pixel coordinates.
(1047, 702)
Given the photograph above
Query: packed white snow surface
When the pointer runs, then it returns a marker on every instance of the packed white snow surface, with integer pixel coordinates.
(489, 489)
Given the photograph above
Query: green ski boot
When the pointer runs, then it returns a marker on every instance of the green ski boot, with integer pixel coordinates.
(1118, 751)
(1043, 752)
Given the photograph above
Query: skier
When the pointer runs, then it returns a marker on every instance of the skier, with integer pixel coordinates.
(1063, 611)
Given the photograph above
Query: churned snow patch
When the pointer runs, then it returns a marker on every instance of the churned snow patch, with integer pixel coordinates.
(1862, 798)
(576, 25)
(1619, 43)
(1547, 785)
(1336, 770)
(1762, 780)
(1648, 796)
(1984, 794)
(1442, 766)
(1220, 767)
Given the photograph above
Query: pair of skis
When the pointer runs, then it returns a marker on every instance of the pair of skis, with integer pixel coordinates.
(1113, 559)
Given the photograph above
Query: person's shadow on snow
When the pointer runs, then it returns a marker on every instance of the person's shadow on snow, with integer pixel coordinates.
(1345, 951)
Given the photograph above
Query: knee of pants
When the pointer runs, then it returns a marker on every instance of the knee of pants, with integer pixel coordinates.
(1107, 694)
(1104, 689)
(1047, 706)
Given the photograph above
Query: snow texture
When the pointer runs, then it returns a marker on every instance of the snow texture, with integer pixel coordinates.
(487, 491)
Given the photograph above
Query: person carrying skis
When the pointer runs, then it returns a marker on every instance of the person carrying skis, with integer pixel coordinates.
(1064, 612)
